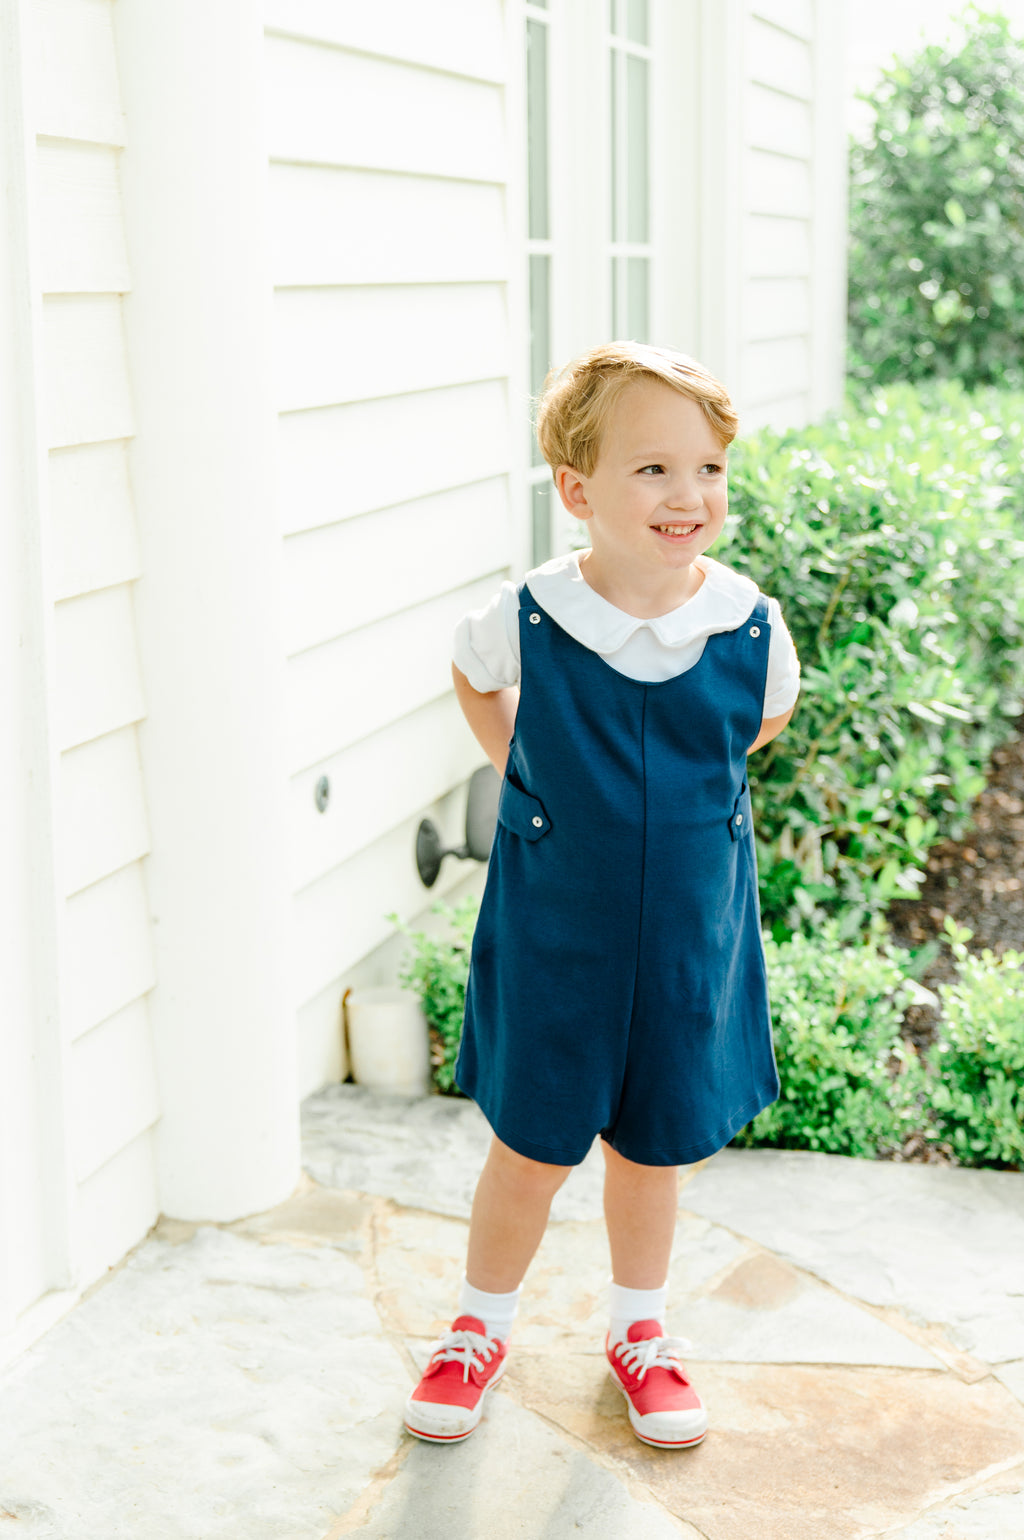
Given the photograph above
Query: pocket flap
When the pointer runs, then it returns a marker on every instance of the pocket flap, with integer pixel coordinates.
(741, 821)
(521, 813)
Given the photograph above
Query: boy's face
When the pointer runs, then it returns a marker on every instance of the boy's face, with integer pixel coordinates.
(658, 495)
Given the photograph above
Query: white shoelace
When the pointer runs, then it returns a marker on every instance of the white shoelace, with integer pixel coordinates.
(652, 1353)
(468, 1348)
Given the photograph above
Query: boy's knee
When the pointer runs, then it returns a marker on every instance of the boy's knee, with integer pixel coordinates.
(634, 1169)
(526, 1172)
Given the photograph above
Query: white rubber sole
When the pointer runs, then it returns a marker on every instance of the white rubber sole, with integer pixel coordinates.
(447, 1424)
(687, 1442)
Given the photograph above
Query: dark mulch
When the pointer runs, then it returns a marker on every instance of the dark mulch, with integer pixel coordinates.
(978, 880)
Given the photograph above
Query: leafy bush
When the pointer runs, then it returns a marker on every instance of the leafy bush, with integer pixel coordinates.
(976, 1087)
(437, 969)
(849, 1084)
(893, 537)
(937, 215)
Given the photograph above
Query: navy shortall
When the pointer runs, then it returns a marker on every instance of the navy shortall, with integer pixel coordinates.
(617, 983)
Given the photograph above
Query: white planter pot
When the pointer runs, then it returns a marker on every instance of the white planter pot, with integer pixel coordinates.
(388, 1040)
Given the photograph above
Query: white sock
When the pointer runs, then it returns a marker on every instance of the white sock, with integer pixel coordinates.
(628, 1305)
(497, 1311)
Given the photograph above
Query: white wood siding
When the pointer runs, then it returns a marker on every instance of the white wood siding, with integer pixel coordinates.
(76, 86)
(116, 1206)
(106, 963)
(330, 460)
(391, 254)
(459, 37)
(338, 344)
(789, 173)
(333, 226)
(775, 230)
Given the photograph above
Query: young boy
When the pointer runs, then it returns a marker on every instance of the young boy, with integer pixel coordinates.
(617, 984)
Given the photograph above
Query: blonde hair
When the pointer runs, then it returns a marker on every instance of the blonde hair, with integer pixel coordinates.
(577, 400)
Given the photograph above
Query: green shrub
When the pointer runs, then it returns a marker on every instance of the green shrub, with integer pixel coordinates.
(849, 1086)
(936, 263)
(892, 536)
(976, 1086)
(437, 969)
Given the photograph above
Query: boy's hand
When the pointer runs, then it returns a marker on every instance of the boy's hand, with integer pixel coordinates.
(492, 717)
(771, 727)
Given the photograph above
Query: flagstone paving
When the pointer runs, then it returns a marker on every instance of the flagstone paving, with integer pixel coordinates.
(858, 1334)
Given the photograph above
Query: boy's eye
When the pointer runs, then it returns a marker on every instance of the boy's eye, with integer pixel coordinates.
(655, 470)
(716, 470)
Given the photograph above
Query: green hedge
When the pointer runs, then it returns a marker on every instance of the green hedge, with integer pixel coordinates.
(893, 536)
(936, 266)
(976, 1096)
(852, 1086)
(849, 1085)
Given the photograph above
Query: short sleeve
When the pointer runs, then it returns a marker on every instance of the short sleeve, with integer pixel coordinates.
(486, 645)
(782, 685)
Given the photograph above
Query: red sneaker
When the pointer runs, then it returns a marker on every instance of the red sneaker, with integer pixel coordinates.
(465, 1363)
(664, 1408)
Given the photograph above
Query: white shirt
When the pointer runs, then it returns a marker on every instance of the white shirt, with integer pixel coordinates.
(487, 640)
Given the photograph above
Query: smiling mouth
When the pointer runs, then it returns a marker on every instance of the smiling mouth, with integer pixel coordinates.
(676, 529)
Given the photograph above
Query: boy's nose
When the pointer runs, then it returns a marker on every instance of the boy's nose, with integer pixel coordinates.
(686, 496)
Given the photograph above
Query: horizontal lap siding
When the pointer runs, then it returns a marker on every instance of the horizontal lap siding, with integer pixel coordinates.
(776, 230)
(339, 920)
(114, 1093)
(108, 943)
(777, 184)
(349, 575)
(117, 1204)
(344, 690)
(464, 37)
(76, 85)
(106, 962)
(102, 800)
(82, 242)
(427, 751)
(92, 517)
(793, 16)
(330, 458)
(335, 226)
(390, 259)
(87, 395)
(338, 345)
(329, 107)
(776, 307)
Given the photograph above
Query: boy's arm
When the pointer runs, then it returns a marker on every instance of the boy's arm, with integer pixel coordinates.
(491, 717)
(771, 727)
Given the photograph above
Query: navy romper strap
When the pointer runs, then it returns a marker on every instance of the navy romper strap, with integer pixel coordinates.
(617, 983)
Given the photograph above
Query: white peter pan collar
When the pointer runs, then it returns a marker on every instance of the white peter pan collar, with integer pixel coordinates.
(724, 601)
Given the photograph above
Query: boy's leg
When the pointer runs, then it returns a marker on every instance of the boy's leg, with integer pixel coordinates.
(640, 1205)
(510, 1214)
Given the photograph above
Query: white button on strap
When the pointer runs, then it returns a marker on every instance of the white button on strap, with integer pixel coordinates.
(535, 619)
(755, 630)
(739, 818)
(538, 823)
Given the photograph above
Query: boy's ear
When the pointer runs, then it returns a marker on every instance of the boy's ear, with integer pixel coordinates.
(572, 492)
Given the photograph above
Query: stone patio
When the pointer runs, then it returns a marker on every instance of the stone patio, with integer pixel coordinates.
(858, 1335)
